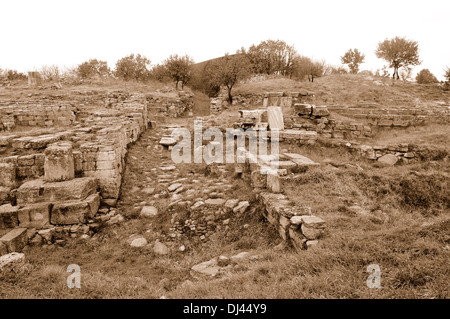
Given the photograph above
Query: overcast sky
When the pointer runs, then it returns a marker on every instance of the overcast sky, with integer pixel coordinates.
(65, 32)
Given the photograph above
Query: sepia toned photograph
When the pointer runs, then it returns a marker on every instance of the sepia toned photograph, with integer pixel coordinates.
(243, 151)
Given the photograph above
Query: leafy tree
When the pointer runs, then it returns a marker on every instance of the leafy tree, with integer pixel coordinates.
(133, 68)
(398, 52)
(92, 68)
(426, 77)
(227, 71)
(447, 74)
(179, 68)
(338, 70)
(272, 57)
(353, 58)
(13, 75)
(305, 67)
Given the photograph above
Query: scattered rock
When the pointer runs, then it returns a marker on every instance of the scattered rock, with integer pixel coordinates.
(174, 187)
(149, 212)
(160, 249)
(388, 159)
(241, 207)
(139, 242)
(11, 258)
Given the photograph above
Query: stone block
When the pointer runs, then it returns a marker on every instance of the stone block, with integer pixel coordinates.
(4, 195)
(9, 216)
(15, 240)
(59, 162)
(39, 191)
(388, 159)
(69, 213)
(274, 182)
(319, 111)
(303, 109)
(94, 203)
(3, 249)
(7, 174)
(35, 215)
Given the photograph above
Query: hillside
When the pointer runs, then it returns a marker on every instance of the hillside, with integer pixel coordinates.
(355, 90)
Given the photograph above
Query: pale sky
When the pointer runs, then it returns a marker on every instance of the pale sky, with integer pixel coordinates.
(67, 32)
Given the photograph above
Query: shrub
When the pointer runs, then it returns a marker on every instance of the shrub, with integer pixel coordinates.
(93, 68)
(133, 68)
(50, 73)
(13, 75)
(426, 77)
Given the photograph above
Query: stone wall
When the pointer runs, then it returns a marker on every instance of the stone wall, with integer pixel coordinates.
(393, 154)
(174, 105)
(395, 117)
(294, 223)
(36, 115)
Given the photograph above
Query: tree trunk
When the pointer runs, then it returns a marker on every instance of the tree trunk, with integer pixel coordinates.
(230, 98)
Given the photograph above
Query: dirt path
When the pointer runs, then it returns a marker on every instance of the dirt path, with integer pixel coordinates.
(184, 203)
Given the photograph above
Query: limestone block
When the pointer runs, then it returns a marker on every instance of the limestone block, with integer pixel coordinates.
(275, 118)
(302, 109)
(319, 111)
(388, 159)
(4, 195)
(71, 212)
(35, 215)
(274, 182)
(59, 163)
(15, 240)
(94, 203)
(38, 191)
(7, 174)
(8, 216)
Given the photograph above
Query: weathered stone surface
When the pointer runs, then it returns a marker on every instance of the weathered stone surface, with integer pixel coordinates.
(71, 212)
(296, 220)
(388, 159)
(174, 187)
(59, 163)
(94, 203)
(296, 238)
(168, 141)
(38, 191)
(303, 109)
(4, 195)
(313, 221)
(160, 249)
(319, 111)
(11, 258)
(215, 201)
(274, 182)
(208, 268)
(15, 240)
(230, 204)
(8, 216)
(35, 215)
(300, 160)
(311, 233)
(149, 211)
(139, 242)
(3, 249)
(275, 118)
(7, 174)
(241, 207)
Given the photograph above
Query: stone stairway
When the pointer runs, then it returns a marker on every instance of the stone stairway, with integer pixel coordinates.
(56, 199)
